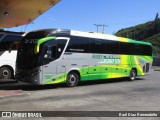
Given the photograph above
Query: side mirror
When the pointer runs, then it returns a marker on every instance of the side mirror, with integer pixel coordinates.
(10, 49)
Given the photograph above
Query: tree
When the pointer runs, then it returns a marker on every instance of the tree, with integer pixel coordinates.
(156, 18)
(156, 25)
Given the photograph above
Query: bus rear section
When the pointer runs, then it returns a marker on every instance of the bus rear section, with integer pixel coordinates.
(8, 59)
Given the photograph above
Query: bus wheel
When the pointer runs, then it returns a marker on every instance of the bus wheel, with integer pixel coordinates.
(133, 74)
(5, 73)
(72, 79)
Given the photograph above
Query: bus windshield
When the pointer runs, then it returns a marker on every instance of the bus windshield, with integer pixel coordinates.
(49, 51)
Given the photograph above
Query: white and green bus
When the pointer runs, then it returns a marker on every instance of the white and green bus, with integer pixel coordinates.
(51, 56)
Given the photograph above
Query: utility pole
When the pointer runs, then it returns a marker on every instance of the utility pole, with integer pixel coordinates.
(27, 25)
(100, 25)
(104, 27)
(97, 25)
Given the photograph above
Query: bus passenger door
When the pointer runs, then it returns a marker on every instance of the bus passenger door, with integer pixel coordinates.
(48, 73)
(61, 73)
(53, 70)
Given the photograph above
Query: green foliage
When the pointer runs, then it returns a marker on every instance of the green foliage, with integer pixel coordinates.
(149, 31)
(155, 40)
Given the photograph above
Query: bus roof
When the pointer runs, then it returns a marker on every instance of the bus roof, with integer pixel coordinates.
(106, 36)
(67, 32)
(10, 32)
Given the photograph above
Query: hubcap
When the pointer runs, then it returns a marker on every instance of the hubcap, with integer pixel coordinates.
(133, 75)
(72, 79)
(5, 73)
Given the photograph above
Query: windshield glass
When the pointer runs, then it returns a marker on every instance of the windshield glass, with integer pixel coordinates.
(8, 42)
(26, 57)
(49, 51)
(52, 50)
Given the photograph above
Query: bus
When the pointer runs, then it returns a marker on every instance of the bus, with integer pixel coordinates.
(8, 59)
(51, 56)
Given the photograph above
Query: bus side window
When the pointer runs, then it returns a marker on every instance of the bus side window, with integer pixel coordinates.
(1, 35)
(146, 50)
(60, 47)
(53, 52)
(108, 47)
(97, 46)
(53, 49)
(125, 48)
(48, 50)
(136, 49)
(78, 45)
(114, 47)
(45, 52)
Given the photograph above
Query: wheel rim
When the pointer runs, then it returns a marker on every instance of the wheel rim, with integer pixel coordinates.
(5, 73)
(72, 79)
(133, 75)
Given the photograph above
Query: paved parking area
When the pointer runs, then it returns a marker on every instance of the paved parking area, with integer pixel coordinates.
(114, 95)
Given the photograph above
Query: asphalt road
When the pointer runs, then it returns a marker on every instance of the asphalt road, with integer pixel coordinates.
(142, 94)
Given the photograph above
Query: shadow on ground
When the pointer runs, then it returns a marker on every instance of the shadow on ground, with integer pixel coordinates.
(13, 85)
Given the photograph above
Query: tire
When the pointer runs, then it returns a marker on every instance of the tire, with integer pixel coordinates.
(132, 75)
(5, 73)
(72, 79)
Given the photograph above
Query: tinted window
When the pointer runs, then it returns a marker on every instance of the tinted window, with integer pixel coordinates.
(114, 47)
(139, 49)
(125, 48)
(97, 46)
(146, 50)
(60, 47)
(7, 46)
(92, 45)
(53, 49)
(8, 40)
(78, 44)
(1, 35)
(36, 35)
(136, 49)
(11, 38)
(109, 48)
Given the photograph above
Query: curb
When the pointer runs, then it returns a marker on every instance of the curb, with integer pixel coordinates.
(12, 93)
